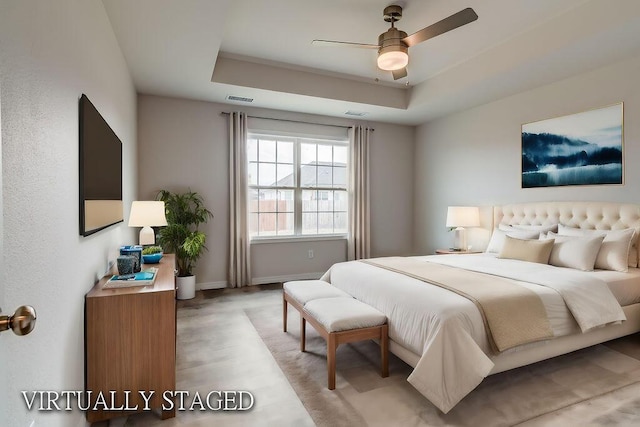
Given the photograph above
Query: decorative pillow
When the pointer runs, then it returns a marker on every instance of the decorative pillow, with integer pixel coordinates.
(498, 238)
(579, 252)
(526, 250)
(618, 251)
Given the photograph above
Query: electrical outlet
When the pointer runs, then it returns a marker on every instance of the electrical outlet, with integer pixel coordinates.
(310, 253)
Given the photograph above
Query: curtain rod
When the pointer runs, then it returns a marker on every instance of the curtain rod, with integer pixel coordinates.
(226, 113)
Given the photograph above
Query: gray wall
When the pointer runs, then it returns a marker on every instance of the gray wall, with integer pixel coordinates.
(473, 157)
(184, 144)
(51, 53)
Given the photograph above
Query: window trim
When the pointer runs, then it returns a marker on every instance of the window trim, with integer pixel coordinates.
(297, 140)
(261, 240)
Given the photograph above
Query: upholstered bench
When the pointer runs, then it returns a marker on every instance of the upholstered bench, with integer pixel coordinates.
(341, 320)
(299, 292)
(338, 318)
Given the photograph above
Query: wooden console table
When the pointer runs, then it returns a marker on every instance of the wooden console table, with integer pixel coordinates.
(130, 343)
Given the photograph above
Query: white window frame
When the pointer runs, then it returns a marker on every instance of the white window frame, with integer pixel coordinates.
(297, 189)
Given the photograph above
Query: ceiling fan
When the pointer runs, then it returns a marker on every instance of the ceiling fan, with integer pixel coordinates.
(393, 45)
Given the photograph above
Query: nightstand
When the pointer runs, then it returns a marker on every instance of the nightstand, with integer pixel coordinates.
(452, 252)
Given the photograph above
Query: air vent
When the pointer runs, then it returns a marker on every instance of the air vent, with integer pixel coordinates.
(239, 98)
(355, 113)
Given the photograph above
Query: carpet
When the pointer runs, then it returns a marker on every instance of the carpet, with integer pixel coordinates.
(363, 398)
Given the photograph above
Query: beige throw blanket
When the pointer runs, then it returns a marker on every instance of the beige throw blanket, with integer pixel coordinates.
(512, 315)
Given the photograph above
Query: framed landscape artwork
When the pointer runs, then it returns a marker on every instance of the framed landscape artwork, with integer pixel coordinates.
(579, 149)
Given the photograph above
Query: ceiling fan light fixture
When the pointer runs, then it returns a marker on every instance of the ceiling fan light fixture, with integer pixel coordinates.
(393, 45)
(393, 52)
(393, 58)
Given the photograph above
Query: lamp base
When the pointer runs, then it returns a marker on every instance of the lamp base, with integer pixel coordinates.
(459, 239)
(147, 236)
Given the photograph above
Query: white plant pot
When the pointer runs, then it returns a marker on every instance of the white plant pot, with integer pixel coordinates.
(186, 287)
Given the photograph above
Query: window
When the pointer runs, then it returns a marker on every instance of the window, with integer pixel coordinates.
(297, 186)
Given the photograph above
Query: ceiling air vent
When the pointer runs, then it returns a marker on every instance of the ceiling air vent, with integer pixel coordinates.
(239, 98)
(355, 113)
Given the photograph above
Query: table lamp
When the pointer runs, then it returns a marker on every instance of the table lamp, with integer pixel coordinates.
(147, 214)
(459, 217)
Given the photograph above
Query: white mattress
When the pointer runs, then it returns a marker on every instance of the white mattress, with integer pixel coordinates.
(624, 286)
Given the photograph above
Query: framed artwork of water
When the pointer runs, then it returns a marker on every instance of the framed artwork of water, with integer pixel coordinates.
(579, 149)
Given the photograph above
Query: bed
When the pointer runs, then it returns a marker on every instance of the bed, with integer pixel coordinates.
(443, 334)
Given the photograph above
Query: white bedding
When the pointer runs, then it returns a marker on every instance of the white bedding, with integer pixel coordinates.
(446, 328)
(624, 286)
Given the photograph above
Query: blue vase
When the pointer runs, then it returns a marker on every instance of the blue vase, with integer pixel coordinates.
(126, 264)
(133, 250)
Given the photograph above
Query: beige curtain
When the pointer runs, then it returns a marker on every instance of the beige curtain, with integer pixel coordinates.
(239, 250)
(359, 194)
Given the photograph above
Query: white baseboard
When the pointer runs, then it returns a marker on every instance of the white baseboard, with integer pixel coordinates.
(261, 280)
(211, 285)
(285, 278)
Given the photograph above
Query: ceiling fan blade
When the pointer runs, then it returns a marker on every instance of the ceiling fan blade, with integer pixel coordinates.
(454, 21)
(346, 44)
(398, 74)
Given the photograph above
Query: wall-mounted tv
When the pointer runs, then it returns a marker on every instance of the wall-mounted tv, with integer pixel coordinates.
(100, 171)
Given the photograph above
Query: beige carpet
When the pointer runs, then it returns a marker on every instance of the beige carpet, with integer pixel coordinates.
(362, 397)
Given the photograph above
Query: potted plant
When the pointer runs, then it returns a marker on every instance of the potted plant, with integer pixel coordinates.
(185, 212)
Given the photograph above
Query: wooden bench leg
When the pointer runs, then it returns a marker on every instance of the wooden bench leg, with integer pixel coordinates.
(303, 332)
(384, 349)
(331, 362)
(284, 313)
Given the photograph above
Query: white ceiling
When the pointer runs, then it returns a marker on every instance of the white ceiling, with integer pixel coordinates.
(208, 49)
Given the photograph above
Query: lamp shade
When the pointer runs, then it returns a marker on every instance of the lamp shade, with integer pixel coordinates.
(147, 213)
(463, 216)
(392, 60)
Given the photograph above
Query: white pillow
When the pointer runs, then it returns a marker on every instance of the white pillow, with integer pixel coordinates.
(505, 227)
(540, 228)
(616, 251)
(499, 236)
(579, 252)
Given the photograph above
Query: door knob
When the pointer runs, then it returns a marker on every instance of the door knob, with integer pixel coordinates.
(22, 322)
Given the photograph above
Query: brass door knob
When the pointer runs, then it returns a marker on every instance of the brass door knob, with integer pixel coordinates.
(21, 323)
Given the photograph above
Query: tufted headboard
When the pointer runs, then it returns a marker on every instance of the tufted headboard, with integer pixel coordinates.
(587, 215)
